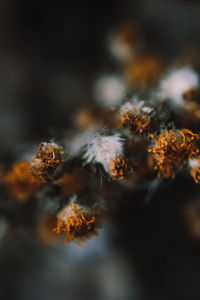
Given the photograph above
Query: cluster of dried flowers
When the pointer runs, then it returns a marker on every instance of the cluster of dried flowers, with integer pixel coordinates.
(141, 140)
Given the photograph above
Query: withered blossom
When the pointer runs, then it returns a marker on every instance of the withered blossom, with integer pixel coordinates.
(171, 148)
(49, 158)
(76, 223)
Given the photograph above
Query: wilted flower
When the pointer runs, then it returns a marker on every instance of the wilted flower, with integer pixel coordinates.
(171, 149)
(76, 223)
(48, 159)
(134, 116)
(117, 167)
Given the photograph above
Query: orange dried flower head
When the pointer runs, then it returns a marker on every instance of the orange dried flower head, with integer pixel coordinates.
(48, 158)
(144, 71)
(117, 168)
(171, 148)
(76, 223)
(135, 121)
(20, 181)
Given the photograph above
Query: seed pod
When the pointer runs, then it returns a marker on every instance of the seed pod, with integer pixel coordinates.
(48, 159)
(136, 122)
(171, 149)
(134, 116)
(76, 223)
(117, 168)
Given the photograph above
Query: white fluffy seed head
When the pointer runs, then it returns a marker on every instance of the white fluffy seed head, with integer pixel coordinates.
(101, 148)
(127, 107)
(136, 104)
(76, 141)
(110, 90)
(176, 82)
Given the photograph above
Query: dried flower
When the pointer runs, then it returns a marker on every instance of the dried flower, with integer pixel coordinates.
(20, 181)
(117, 167)
(134, 119)
(76, 223)
(48, 159)
(172, 148)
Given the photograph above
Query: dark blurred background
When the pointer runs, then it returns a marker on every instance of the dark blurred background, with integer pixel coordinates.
(51, 53)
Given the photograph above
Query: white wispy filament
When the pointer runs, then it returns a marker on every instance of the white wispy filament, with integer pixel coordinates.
(101, 149)
(136, 104)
